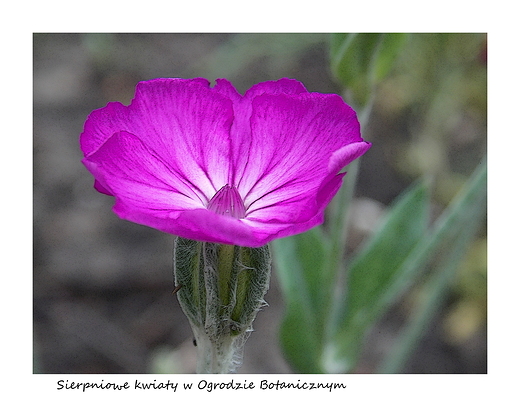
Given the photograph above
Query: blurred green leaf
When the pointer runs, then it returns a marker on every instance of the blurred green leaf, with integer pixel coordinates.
(299, 261)
(360, 61)
(372, 270)
(309, 284)
(318, 339)
(351, 56)
(458, 227)
(388, 50)
(445, 233)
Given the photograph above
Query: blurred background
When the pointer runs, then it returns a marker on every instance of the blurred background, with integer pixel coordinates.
(102, 286)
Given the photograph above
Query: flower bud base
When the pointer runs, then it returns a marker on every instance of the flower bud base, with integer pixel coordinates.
(222, 287)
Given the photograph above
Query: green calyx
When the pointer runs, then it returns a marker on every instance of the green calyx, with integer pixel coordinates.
(220, 289)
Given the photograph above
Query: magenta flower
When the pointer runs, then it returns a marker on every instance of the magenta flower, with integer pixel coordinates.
(209, 164)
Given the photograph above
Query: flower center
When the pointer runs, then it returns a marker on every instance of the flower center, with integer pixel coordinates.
(227, 201)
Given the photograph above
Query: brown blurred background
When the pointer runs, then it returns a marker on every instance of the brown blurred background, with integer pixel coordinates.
(102, 286)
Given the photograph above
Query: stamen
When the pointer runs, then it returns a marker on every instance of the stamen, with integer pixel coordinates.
(227, 201)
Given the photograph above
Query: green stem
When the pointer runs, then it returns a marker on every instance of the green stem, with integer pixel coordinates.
(341, 206)
(218, 354)
(342, 203)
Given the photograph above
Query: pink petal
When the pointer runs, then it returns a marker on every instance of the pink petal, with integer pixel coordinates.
(196, 224)
(183, 121)
(104, 122)
(243, 107)
(282, 86)
(347, 154)
(292, 143)
(150, 192)
(210, 164)
(136, 175)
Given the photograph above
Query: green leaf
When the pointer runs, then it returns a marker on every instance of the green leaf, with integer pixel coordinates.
(373, 269)
(360, 61)
(360, 313)
(458, 227)
(351, 57)
(316, 339)
(388, 51)
(299, 262)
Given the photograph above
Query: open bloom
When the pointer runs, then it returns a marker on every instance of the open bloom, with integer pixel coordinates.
(209, 164)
